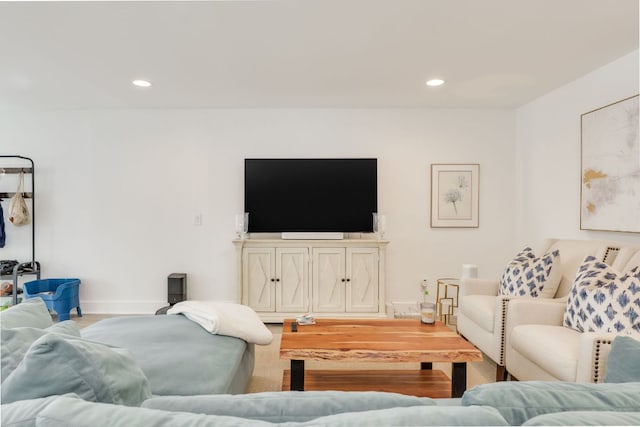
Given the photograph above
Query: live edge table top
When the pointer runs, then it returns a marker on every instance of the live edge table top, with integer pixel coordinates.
(371, 340)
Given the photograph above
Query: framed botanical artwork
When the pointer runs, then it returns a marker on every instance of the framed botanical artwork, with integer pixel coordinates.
(455, 195)
(610, 168)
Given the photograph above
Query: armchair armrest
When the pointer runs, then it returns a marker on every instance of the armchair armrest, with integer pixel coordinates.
(472, 286)
(594, 348)
(536, 311)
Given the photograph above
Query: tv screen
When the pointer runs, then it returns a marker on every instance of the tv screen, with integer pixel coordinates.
(310, 195)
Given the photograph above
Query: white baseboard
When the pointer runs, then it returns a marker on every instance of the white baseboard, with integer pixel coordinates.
(403, 309)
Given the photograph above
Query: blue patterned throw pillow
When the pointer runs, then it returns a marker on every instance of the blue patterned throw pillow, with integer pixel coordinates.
(531, 276)
(603, 300)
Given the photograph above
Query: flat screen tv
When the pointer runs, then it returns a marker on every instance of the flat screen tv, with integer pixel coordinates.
(310, 195)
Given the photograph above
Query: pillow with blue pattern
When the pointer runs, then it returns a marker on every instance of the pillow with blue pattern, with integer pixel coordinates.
(604, 300)
(530, 276)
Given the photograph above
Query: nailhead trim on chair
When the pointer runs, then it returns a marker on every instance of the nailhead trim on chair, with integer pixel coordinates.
(596, 359)
(503, 335)
(611, 251)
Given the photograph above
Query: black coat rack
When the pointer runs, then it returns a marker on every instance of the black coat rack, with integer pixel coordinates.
(30, 267)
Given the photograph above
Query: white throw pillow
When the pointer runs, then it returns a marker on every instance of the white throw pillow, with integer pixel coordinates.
(604, 300)
(530, 276)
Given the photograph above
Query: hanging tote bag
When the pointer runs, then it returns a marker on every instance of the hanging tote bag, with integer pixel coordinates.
(18, 210)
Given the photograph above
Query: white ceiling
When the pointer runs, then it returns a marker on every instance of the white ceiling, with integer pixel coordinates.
(304, 53)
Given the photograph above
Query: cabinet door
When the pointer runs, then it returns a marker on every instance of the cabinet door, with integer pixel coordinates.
(328, 280)
(292, 280)
(258, 277)
(362, 280)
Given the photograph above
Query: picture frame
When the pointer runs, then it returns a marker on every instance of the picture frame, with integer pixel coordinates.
(610, 168)
(455, 195)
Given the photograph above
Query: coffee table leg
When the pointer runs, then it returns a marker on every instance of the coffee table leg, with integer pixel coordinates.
(458, 379)
(426, 365)
(297, 375)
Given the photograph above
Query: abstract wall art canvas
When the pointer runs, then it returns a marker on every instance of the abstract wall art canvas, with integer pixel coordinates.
(610, 168)
(454, 195)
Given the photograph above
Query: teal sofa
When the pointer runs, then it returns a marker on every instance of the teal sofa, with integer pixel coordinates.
(54, 375)
(175, 355)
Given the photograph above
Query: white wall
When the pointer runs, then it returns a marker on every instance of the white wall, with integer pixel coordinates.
(117, 192)
(548, 153)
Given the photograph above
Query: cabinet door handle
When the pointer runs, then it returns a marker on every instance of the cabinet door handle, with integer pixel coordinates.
(273, 280)
(343, 280)
(277, 280)
(348, 280)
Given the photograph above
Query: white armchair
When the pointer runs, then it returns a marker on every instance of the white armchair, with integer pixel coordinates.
(539, 347)
(482, 313)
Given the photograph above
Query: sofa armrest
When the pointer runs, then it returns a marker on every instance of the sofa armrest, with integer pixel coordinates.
(536, 311)
(472, 286)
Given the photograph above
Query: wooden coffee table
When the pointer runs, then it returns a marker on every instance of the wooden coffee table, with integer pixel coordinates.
(376, 340)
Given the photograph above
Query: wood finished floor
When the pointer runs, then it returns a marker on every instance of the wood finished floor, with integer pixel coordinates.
(269, 368)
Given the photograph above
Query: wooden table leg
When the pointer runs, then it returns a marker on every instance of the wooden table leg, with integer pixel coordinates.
(458, 379)
(297, 375)
(426, 365)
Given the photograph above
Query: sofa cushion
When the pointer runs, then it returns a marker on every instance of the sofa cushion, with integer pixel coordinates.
(16, 341)
(23, 413)
(413, 416)
(623, 363)
(553, 348)
(32, 312)
(70, 412)
(74, 412)
(586, 418)
(285, 406)
(530, 276)
(57, 365)
(481, 309)
(604, 300)
(521, 401)
(221, 365)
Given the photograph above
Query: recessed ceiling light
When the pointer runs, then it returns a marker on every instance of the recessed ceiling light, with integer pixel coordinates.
(141, 83)
(435, 82)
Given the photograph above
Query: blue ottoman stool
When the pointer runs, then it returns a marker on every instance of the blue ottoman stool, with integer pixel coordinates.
(59, 295)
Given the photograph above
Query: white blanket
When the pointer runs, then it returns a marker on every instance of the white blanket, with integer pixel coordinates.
(223, 318)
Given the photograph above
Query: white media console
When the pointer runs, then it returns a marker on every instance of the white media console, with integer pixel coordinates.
(326, 278)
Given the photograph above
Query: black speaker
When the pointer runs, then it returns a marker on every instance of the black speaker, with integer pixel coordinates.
(176, 287)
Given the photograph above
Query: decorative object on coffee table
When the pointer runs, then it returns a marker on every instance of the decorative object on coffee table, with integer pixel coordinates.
(427, 308)
(427, 312)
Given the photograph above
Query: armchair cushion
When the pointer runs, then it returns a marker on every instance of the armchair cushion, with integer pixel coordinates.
(623, 364)
(553, 348)
(602, 300)
(530, 276)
